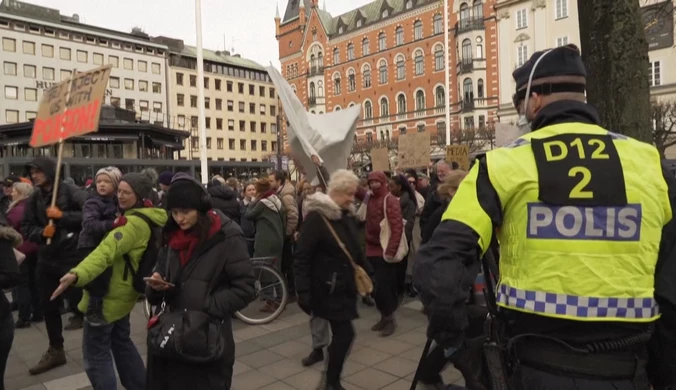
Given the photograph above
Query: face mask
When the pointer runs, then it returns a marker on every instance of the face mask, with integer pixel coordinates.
(523, 123)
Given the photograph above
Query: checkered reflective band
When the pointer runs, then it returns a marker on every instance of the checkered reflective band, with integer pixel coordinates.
(576, 306)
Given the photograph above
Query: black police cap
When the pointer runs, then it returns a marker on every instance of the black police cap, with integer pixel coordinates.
(562, 61)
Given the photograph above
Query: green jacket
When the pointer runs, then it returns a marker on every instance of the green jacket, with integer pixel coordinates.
(130, 239)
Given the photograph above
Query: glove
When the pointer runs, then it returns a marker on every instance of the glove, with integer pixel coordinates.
(48, 231)
(304, 303)
(119, 221)
(54, 213)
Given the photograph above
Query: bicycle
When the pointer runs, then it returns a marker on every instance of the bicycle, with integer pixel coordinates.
(275, 299)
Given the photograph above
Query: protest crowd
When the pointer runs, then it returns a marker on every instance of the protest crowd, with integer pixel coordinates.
(455, 239)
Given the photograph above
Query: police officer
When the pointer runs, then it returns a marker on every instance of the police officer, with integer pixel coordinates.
(587, 262)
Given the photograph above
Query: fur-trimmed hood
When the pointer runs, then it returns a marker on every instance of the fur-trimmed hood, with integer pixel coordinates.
(8, 233)
(323, 204)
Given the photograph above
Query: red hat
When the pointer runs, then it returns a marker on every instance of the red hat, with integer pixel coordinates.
(89, 182)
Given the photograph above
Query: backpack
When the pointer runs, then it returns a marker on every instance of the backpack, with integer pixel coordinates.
(148, 259)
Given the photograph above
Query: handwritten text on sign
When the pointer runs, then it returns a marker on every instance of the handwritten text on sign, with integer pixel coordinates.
(70, 108)
(458, 154)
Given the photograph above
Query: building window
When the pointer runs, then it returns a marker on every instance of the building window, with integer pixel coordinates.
(521, 18)
(11, 93)
(272, 90)
(368, 110)
(336, 56)
(421, 127)
(194, 121)
(129, 84)
(219, 143)
(252, 126)
(440, 96)
(439, 58)
(273, 130)
(409, 4)
(206, 83)
(228, 86)
(369, 138)
(417, 30)
(563, 41)
(157, 107)
(98, 59)
(438, 24)
(114, 82)
(207, 103)
(365, 47)
(207, 122)
(114, 61)
(466, 51)
(181, 120)
(65, 74)
(82, 56)
(464, 14)
(478, 10)
(128, 64)
(179, 78)
(242, 107)
(156, 68)
(273, 110)
(419, 63)
(366, 75)
(64, 52)
(9, 44)
(231, 105)
(401, 67)
(143, 105)
(219, 104)
(468, 90)
(143, 86)
(655, 73)
(242, 144)
(351, 81)
(401, 104)
(29, 71)
(384, 108)
(420, 100)
(382, 41)
(193, 101)
(252, 108)
(12, 116)
(561, 9)
(231, 125)
(9, 68)
(142, 66)
(264, 146)
(29, 48)
(336, 84)
(31, 115)
(385, 13)
(129, 104)
(240, 88)
(253, 145)
(479, 51)
(399, 36)
(521, 55)
(180, 99)
(482, 121)
(480, 88)
(231, 144)
(48, 74)
(193, 80)
(217, 84)
(263, 109)
(157, 88)
(382, 69)
(350, 52)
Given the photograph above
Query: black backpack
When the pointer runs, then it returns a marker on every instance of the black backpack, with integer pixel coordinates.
(149, 258)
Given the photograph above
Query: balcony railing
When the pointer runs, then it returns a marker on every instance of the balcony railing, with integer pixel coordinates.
(465, 25)
(467, 105)
(316, 70)
(465, 66)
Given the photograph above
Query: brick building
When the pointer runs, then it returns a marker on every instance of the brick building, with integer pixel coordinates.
(388, 57)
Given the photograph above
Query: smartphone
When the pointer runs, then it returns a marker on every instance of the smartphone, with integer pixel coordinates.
(157, 281)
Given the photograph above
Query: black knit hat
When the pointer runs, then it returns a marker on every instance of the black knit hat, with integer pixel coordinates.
(187, 193)
(141, 183)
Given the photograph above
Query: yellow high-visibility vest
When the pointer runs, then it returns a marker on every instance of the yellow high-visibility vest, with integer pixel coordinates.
(583, 211)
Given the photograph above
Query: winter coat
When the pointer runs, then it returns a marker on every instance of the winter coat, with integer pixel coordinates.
(14, 217)
(287, 195)
(98, 215)
(408, 208)
(432, 202)
(248, 226)
(9, 268)
(321, 268)
(4, 203)
(225, 200)
(62, 254)
(130, 239)
(268, 216)
(433, 221)
(217, 279)
(375, 213)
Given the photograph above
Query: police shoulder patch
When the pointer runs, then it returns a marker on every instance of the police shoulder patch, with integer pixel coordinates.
(118, 236)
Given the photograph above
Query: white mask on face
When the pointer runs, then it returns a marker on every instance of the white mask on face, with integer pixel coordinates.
(523, 123)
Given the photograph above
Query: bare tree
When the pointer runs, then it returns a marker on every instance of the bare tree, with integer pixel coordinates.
(476, 138)
(664, 125)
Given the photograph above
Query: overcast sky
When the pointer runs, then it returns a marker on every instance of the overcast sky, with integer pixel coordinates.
(246, 25)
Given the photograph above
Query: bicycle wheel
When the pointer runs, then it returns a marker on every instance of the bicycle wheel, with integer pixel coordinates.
(271, 291)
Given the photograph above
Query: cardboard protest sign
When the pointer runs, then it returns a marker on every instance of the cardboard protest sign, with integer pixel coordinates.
(70, 108)
(458, 154)
(380, 159)
(414, 150)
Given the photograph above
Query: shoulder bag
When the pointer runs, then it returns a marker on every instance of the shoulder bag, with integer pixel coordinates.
(188, 336)
(361, 278)
(386, 232)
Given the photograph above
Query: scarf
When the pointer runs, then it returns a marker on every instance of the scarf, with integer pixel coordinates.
(185, 242)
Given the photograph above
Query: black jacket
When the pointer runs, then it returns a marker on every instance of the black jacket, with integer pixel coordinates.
(9, 268)
(322, 270)
(62, 253)
(225, 200)
(408, 209)
(447, 264)
(218, 280)
(433, 221)
(432, 203)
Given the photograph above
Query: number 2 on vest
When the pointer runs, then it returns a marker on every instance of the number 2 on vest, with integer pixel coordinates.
(578, 191)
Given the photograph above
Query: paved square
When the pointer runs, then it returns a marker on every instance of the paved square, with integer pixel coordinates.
(267, 357)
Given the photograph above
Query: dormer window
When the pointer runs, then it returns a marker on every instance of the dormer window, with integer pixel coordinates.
(359, 23)
(386, 13)
(409, 4)
(340, 30)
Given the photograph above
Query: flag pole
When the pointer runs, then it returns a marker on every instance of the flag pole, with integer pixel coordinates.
(447, 108)
(200, 95)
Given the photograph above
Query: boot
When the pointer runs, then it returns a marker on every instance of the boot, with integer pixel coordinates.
(316, 356)
(380, 325)
(54, 357)
(334, 386)
(389, 327)
(94, 315)
(75, 322)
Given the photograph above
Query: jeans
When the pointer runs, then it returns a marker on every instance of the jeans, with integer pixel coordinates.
(343, 335)
(27, 291)
(98, 343)
(319, 328)
(48, 281)
(6, 339)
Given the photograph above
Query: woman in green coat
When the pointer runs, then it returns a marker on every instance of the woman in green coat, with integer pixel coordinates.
(268, 214)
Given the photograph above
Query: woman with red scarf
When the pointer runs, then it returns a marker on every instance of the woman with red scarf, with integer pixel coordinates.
(204, 266)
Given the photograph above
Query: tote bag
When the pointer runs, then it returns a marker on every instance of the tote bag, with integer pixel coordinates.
(386, 232)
